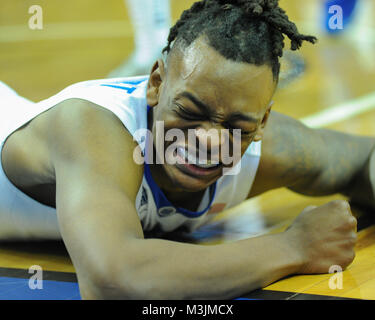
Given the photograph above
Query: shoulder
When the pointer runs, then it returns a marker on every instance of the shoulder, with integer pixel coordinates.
(290, 150)
(91, 138)
(78, 114)
(76, 121)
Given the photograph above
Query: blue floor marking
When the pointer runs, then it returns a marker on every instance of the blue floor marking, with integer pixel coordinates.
(18, 289)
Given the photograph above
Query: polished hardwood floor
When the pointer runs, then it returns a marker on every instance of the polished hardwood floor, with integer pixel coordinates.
(84, 40)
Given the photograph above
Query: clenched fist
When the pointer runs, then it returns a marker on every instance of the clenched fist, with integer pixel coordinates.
(324, 236)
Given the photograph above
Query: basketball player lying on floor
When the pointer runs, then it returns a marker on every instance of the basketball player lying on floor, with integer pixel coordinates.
(71, 174)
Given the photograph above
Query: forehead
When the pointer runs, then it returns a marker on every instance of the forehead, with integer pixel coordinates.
(200, 69)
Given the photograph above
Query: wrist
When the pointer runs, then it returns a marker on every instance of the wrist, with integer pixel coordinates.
(297, 253)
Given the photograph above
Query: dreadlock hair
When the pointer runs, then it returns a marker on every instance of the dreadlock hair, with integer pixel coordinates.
(249, 31)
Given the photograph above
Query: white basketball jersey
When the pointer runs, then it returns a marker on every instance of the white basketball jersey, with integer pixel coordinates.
(126, 98)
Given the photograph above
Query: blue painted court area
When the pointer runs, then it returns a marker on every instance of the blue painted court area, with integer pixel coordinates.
(18, 289)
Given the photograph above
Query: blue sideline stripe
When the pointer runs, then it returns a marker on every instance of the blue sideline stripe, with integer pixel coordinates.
(18, 289)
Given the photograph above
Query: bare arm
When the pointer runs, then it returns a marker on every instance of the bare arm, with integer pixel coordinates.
(97, 182)
(314, 162)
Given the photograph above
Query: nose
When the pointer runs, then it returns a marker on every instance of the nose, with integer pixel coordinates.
(217, 144)
(209, 140)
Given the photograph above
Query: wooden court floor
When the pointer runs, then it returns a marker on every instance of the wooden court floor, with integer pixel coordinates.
(333, 88)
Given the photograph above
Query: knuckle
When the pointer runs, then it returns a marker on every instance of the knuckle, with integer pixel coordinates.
(350, 244)
(353, 222)
(351, 239)
(351, 257)
(309, 208)
(340, 204)
(354, 237)
(350, 223)
(347, 260)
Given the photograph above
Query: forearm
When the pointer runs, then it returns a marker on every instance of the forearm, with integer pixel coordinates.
(171, 270)
(342, 165)
(361, 189)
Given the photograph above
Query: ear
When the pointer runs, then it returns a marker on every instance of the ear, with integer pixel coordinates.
(260, 133)
(155, 82)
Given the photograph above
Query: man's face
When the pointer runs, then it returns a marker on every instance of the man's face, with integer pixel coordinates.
(200, 89)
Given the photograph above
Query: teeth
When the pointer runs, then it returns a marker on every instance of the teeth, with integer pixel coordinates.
(183, 154)
(192, 160)
(206, 166)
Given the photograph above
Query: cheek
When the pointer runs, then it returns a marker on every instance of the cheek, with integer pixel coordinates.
(166, 127)
(246, 142)
(164, 110)
(162, 118)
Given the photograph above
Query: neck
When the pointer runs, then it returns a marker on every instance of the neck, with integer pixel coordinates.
(177, 196)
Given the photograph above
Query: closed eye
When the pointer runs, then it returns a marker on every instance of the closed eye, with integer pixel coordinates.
(188, 115)
(246, 133)
(243, 132)
(192, 116)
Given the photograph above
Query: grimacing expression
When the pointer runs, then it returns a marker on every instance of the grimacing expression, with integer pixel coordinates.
(200, 89)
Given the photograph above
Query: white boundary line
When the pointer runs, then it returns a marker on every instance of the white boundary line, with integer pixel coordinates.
(341, 112)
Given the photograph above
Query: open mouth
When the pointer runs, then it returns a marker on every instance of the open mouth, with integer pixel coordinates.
(195, 165)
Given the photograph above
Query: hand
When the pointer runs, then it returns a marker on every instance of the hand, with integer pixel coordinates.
(325, 236)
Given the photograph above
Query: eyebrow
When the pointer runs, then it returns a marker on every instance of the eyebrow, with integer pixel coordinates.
(235, 116)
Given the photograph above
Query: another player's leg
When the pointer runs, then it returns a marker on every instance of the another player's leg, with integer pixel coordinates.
(151, 23)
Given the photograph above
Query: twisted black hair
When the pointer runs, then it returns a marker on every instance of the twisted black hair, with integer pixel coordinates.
(249, 31)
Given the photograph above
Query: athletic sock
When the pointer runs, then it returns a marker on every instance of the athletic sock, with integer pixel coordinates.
(151, 23)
